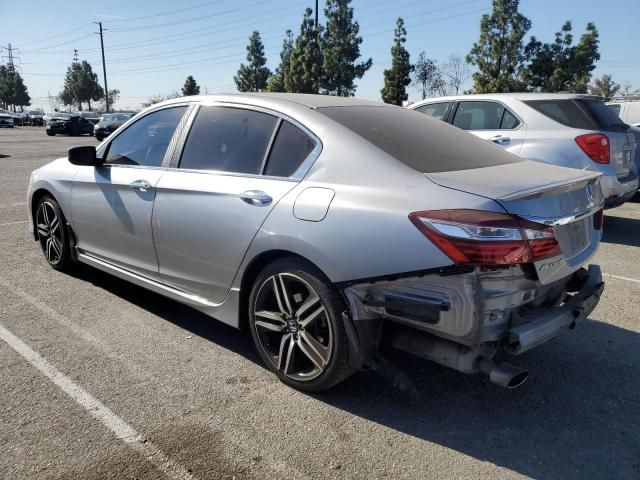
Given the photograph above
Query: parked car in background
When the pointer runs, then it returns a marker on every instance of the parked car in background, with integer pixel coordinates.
(627, 110)
(6, 119)
(93, 117)
(570, 130)
(332, 228)
(33, 117)
(108, 123)
(70, 124)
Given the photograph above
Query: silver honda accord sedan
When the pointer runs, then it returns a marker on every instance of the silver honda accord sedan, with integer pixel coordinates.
(333, 229)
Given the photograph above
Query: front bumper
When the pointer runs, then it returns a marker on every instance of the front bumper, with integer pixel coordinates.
(618, 190)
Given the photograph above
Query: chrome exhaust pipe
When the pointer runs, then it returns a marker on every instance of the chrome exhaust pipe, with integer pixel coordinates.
(505, 374)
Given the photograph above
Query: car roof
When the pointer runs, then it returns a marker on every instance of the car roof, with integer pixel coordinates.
(305, 99)
(503, 96)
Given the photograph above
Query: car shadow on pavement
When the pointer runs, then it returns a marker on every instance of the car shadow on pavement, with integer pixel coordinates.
(621, 230)
(576, 417)
(180, 315)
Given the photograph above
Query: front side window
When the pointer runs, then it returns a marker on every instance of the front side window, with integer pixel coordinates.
(435, 110)
(484, 116)
(228, 139)
(146, 141)
(290, 148)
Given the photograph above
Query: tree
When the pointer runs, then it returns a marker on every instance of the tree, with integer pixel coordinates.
(561, 66)
(80, 85)
(275, 83)
(427, 76)
(305, 63)
(604, 87)
(13, 91)
(398, 77)
(341, 50)
(627, 90)
(253, 77)
(455, 72)
(160, 98)
(499, 52)
(114, 96)
(190, 87)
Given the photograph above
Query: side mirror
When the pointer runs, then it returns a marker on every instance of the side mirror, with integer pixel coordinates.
(84, 156)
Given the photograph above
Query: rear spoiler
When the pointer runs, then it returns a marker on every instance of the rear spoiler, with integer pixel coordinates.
(554, 188)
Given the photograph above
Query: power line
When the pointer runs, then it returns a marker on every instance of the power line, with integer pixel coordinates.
(162, 14)
(57, 35)
(43, 49)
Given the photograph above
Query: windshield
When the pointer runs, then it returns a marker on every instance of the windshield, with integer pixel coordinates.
(420, 142)
(61, 115)
(106, 117)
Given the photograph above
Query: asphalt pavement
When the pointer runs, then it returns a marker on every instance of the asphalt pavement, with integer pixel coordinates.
(102, 379)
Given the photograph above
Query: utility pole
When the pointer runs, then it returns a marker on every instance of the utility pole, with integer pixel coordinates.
(316, 14)
(10, 61)
(75, 55)
(104, 69)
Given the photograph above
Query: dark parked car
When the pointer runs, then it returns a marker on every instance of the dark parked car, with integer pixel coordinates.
(32, 117)
(69, 124)
(109, 122)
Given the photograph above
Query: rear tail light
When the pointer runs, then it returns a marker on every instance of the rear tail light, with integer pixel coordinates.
(486, 238)
(596, 146)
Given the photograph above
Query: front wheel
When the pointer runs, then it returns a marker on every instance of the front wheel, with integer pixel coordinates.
(296, 324)
(53, 234)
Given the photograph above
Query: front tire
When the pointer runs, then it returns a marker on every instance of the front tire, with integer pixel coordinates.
(53, 234)
(295, 318)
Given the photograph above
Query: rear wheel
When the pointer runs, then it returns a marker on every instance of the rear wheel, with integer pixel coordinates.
(53, 234)
(51, 134)
(296, 324)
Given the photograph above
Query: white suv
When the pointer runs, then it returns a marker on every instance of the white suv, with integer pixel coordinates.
(571, 130)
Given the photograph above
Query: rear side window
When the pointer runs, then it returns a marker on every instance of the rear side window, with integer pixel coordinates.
(228, 139)
(435, 110)
(290, 148)
(418, 141)
(484, 116)
(582, 113)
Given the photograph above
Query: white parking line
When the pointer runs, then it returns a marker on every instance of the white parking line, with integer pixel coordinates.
(96, 408)
(618, 277)
(13, 223)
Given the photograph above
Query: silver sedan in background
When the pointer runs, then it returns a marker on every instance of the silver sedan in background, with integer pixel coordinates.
(333, 229)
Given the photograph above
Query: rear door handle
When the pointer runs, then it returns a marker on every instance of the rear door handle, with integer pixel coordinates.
(141, 185)
(255, 197)
(500, 140)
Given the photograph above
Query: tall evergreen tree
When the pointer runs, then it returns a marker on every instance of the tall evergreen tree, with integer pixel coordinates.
(275, 83)
(398, 77)
(81, 85)
(499, 52)
(604, 87)
(190, 87)
(561, 66)
(13, 91)
(253, 77)
(305, 63)
(341, 50)
(21, 95)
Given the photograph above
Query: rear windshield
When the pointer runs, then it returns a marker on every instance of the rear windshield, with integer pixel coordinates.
(420, 142)
(583, 113)
(615, 107)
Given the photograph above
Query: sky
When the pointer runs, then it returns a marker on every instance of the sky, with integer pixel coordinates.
(151, 46)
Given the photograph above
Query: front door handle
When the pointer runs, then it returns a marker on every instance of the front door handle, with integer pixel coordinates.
(141, 185)
(256, 198)
(500, 140)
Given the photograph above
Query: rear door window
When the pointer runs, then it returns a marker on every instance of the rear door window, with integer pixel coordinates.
(435, 110)
(290, 148)
(229, 140)
(482, 115)
(582, 113)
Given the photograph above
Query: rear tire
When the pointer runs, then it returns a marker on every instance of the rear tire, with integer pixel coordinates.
(53, 234)
(51, 134)
(295, 318)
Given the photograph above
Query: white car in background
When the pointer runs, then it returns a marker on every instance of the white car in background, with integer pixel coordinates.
(628, 111)
(7, 119)
(571, 130)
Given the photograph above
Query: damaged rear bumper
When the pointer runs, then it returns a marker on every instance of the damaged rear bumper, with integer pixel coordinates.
(462, 320)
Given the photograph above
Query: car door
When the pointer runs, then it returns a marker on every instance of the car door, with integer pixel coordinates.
(111, 205)
(236, 164)
(491, 121)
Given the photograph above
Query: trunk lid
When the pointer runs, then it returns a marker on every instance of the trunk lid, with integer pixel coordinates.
(561, 197)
